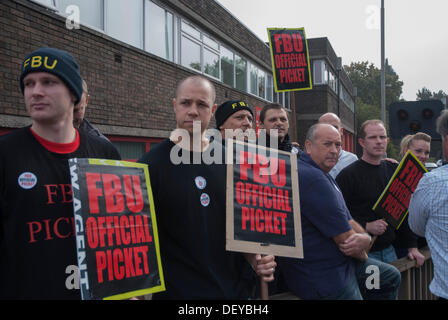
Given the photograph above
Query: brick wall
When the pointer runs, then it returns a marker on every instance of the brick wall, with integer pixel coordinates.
(136, 92)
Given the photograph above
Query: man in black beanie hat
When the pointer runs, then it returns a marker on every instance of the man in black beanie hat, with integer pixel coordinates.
(232, 115)
(37, 242)
(55, 61)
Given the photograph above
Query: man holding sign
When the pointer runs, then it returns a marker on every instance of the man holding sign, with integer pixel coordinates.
(37, 244)
(190, 201)
(362, 183)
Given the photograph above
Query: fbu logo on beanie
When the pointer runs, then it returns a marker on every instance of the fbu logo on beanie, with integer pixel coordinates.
(36, 62)
(55, 61)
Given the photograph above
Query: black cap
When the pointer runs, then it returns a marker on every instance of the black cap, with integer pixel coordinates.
(228, 108)
(55, 61)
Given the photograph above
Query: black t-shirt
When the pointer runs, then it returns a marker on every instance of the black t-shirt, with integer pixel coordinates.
(361, 184)
(37, 242)
(190, 204)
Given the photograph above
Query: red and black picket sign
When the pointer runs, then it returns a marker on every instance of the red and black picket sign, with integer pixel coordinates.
(290, 59)
(393, 203)
(116, 232)
(263, 211)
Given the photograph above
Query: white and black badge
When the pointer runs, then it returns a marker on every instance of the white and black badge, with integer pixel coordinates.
(27, 180)
(205, 199)
(200, 182)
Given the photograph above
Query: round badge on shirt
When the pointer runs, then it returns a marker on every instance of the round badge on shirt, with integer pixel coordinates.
(205, 199)
(200, 182)
(27, 180)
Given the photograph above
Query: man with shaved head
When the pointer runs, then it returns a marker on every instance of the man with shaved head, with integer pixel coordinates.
(190, 201)
(345, 157)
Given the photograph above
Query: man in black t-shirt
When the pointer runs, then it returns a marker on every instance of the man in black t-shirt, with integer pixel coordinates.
(362, 182)
(190, 204)
(37, 241)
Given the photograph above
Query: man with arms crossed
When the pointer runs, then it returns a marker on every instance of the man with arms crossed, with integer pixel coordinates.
(335, 259)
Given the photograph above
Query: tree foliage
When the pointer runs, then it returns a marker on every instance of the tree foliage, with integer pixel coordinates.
(426, 94)
(367, 78)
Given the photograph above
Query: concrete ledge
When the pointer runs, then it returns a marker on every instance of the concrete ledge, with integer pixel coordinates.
(9, 121)
(14, 122)
(132, 131)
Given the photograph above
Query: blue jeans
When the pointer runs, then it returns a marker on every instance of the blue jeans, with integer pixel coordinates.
(386, 255)
(349, 292)
(377, 280)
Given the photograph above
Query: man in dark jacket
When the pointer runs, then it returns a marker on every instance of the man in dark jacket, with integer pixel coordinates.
(274, 119)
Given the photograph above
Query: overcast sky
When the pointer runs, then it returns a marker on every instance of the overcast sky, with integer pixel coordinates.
(416, 32)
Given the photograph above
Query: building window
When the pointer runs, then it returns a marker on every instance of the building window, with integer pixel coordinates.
(190, 30)
(283, 98)
(90, 11)
(318, 69)
(269, 87)
(332, 81)
(159, 31)
(130, 151)
(347, 98)
(241, 73)
(227, 72)
(253, 79)
(47, 3)
(130, 32)
(210, 42)
(287, 104)
(323, 75)
(199, 51)
(211, 63)
(133, 148)
(191, 53)
(261, 84)
(326, 73)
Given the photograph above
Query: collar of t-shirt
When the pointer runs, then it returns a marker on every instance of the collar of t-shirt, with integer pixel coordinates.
(62, 148)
